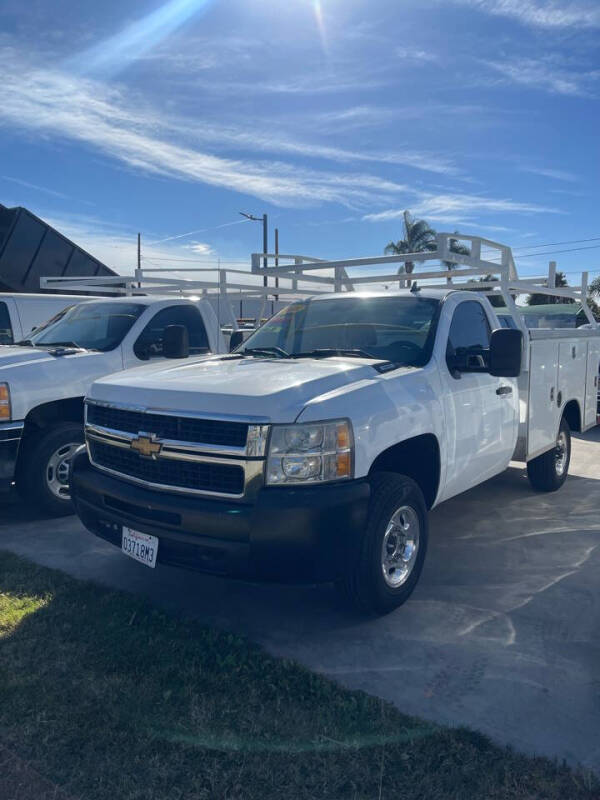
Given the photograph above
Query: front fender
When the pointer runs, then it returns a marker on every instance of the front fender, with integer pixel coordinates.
(384, 411)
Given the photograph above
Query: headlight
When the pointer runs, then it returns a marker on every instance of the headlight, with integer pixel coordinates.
(4, 402)
(310, 453)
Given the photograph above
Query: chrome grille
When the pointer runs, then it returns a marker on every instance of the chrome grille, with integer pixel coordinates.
(200, 476)
(176, 428)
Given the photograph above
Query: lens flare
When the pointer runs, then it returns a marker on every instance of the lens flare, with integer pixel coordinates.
(318, 9)
(112, 55)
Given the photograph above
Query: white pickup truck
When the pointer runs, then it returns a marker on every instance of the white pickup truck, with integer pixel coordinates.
(44, 379)
(314, 452)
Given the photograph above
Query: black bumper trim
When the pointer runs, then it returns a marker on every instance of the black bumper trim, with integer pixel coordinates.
(10, 439)
(292, 535)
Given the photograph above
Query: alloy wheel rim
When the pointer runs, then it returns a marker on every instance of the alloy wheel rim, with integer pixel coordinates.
(560, 454)
(59, 469)
(400, 546)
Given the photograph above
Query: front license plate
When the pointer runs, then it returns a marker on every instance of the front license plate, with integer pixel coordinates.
(140, 546)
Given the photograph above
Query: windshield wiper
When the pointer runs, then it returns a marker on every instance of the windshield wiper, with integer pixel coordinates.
(330, 352)
(64, 344)
(24, 343)
(266, 351)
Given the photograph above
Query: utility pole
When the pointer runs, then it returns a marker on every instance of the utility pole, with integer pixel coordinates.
(139, 258)
(265, 246)
(265, 223)
(276, 260)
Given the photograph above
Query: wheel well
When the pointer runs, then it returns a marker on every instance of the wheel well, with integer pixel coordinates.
(572, 414)
(69, 410)
(419, 458)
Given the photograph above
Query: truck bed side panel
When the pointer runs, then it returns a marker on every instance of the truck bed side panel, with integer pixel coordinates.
(543, 411)
(591, 383)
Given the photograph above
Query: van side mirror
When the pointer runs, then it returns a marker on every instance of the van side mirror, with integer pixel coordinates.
(237, 337)
(506, 353)
(176, 342)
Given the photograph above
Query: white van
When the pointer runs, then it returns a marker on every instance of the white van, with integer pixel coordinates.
(20, 313)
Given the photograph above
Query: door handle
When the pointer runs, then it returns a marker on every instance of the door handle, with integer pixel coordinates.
(502, 390)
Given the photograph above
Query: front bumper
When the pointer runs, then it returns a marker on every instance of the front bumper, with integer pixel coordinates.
(10, 439)
(292, 535)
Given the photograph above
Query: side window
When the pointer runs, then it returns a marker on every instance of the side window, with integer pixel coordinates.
(6, 332)
(469, 335)
(150, 341)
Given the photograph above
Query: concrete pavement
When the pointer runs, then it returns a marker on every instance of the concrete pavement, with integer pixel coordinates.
(501, 634)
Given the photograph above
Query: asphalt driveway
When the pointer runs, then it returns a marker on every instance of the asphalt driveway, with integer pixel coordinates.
(500, 635)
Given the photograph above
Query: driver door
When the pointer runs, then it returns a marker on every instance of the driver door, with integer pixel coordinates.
(481, 411)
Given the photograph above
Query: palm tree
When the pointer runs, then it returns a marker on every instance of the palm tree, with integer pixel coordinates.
(550, 299)
(594, 287)
(460, 249)
(419, 237)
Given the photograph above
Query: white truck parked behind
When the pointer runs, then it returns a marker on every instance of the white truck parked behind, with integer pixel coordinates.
(21, 313)
(44, 378)
(314, 452)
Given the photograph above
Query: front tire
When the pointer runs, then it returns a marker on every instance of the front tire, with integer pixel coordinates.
(390, 556)
(548, 472)
(43, 473)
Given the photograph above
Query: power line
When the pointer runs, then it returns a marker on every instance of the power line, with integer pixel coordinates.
(557, 252)
(556, 244)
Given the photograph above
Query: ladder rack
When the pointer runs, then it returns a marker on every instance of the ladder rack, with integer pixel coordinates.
(304, 276)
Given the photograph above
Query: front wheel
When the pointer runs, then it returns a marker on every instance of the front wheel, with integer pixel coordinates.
(548, 472)
(390, 557)
(44, 471)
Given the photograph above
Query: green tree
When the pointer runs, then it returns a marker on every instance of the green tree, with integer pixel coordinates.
(549, 299)
(460, 249)
(419, 237)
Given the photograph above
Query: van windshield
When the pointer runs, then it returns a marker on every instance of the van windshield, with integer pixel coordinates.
(395, 329)
(92, 326)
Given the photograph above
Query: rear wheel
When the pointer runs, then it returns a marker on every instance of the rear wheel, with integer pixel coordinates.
(44, 471)
(548, 472)
(390, 559)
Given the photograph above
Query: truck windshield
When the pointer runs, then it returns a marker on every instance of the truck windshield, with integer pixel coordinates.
(396, 329)
(93, 326)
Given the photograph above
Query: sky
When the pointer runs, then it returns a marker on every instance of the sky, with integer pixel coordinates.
(331, 116)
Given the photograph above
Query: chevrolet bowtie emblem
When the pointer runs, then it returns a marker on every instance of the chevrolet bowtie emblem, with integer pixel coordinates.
(146, 446)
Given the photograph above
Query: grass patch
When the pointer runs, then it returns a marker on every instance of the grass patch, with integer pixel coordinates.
(102, 696)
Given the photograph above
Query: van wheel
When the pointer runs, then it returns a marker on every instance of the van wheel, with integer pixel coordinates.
(391, 554)
(43, 475)
(548, 472)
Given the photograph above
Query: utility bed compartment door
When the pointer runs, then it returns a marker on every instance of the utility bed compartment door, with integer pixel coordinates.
(572, 369)
(591, 383)
(542, 408)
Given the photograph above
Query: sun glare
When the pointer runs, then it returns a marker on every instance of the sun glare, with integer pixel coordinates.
(112, 55)
(318, 9)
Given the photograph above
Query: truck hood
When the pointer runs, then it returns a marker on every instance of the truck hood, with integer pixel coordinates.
(269, 390)
(36, 376)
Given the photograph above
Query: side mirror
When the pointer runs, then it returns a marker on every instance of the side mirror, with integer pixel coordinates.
(237, 337)
(506, 353)
(176, 342)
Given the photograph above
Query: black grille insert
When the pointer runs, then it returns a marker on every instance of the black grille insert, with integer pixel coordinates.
(184, 429)
(222, 478)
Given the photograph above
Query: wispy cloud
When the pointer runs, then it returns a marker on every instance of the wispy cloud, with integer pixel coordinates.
(546, 75)
(459, 208)
(102, 118)
(549, 14)
(106, 119)
(554, 174)
(416, 55)
(34, 187)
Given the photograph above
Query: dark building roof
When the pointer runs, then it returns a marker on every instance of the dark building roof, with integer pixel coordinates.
(31, 249)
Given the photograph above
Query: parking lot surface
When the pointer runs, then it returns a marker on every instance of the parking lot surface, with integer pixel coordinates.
(501, 634)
